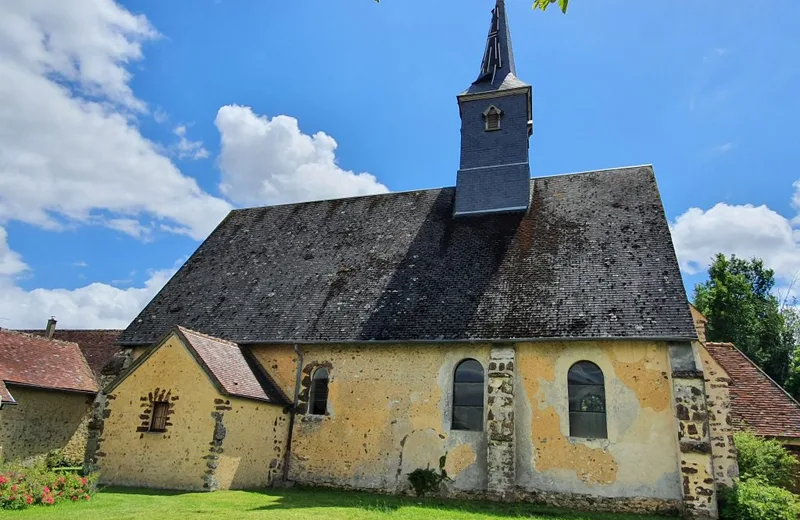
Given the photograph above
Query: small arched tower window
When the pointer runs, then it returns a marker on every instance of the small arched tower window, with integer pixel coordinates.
(468, 396)
(318, 398)
(587, 401)
(492, 117)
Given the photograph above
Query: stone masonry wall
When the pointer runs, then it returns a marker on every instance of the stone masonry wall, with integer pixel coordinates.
(500, 419)
(694, 442)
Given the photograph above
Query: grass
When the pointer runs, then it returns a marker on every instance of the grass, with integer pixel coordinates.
(290, 504)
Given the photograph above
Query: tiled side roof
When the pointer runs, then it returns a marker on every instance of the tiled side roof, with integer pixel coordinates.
(593, 258)
(31, 360)
(98, 346)
(227, 364)
(756, 400)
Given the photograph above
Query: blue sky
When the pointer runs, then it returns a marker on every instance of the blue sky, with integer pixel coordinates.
(706, 94)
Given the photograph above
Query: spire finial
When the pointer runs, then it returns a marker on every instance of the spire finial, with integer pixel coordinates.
(498, 59)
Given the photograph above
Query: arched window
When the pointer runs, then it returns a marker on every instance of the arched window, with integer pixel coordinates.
(587, 401)
(493, 116)
(468, 396)
(318, 398)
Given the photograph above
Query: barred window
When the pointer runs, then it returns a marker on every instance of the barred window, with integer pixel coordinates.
(468, 396)
(587, 401)
(158, 423)
(318, 399)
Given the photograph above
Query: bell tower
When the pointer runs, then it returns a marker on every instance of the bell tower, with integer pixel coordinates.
(496, 124)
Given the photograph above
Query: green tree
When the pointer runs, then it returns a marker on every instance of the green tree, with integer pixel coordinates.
(738, 302)
(542, 4)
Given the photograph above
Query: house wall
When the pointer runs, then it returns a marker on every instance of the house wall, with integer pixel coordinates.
(390, 405)
(211, 442)
(42, 421)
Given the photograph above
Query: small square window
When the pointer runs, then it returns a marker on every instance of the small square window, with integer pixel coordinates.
(158, 423)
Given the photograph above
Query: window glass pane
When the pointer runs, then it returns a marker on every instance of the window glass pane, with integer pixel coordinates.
(320, 373)
(469, 371)
(585, 373)
(586, 399)
(467, 418)
(587, 424)
(468, 394)
(319, 397)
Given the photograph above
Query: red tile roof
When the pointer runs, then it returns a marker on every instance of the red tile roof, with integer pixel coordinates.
(757, 401)
(98, 346)
(31, 360)
(226, 364)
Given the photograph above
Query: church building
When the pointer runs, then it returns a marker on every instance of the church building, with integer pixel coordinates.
(530, 337)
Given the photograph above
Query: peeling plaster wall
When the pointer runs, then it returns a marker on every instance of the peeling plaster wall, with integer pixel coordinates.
(212, 441)
(388, 414)
(639, 457)
(42, 421)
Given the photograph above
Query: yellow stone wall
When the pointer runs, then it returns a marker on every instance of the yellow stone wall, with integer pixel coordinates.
(389, 413)
(179, 458)
(44, 420)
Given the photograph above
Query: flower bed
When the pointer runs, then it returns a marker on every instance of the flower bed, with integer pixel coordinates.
(23, 487)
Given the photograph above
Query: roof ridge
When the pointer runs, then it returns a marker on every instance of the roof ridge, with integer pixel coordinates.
(208, 336)
(42, 338)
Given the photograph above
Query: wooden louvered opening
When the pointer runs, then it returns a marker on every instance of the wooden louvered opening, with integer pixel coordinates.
(158, 423)
(493, 120)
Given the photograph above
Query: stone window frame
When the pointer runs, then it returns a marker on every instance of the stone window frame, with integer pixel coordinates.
(603, 396)
(312, 390)
(453, 404)
(492, 117)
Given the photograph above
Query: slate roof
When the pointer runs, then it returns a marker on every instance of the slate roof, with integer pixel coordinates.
(757, 401)
(98, 346)
(31, 360)
(233, 371)
(593, 258)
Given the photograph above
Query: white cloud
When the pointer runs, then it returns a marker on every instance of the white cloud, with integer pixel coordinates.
(271, 161)
(80, 263)
(70, 149)
(747, 231)
(131, 227)
(97, 305)
(722, 148)
(10, 262)
(187, 149)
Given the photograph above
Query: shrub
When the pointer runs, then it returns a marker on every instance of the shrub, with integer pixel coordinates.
(21, 487)
(764, 459)
(754, 499)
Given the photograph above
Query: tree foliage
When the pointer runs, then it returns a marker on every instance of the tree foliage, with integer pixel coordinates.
(542, 4)
(738, 302)
(764, 459)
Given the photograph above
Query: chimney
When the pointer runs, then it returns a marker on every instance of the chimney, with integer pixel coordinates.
(51, 327)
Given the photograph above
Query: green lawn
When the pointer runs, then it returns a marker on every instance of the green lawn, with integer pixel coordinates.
(290, 504)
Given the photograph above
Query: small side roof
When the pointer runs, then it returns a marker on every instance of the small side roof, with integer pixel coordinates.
(233, 371)
(757, 401)
(31, 360)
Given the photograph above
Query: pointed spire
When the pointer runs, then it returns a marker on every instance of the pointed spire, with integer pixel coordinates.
(498, 59)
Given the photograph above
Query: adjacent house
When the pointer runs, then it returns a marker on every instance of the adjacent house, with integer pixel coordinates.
(46, 392)
(528, 336)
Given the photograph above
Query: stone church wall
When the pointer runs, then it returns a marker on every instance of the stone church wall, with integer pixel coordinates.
(389, 413)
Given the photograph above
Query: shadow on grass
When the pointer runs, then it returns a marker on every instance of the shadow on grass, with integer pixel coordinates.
(307, 497)
(144, 491)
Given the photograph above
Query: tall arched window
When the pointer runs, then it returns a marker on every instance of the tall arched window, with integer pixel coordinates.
(468, 396)
(318, 398)
(587, 401)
